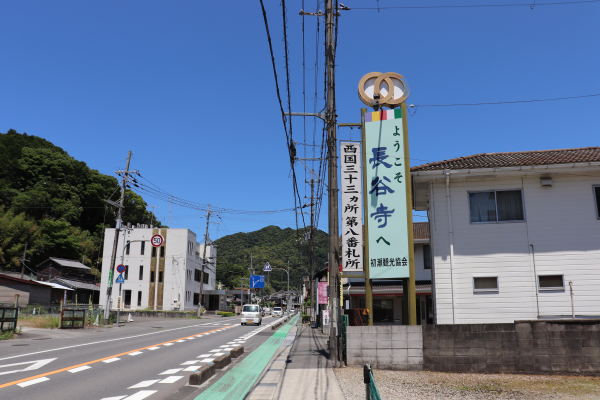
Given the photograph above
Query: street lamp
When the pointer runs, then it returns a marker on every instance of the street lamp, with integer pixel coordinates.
(288, 284)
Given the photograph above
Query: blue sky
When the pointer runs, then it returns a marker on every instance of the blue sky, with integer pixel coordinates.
(188, 87)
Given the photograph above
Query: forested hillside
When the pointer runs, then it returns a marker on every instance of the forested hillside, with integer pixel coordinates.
(270, 244)
(54, 203)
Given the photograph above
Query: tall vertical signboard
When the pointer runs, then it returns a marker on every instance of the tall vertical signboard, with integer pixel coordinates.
(352, 209)
(386, 195)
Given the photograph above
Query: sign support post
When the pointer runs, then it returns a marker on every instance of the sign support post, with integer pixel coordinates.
(368, 288)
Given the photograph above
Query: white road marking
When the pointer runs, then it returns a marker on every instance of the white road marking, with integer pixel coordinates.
(207, 360)
(143, 384)
(135, 353)
(171, 371)
(114, 398)
(33, 381)
(83, 368)
(216, 354)
(34, 365)
(142, 394)
(171, 379)
(168, 344)
(154, 348)
(230, 342)
(189, 362)
(214, 351)
(111, 360)
(224, 346)
(192, 368)
(204, 355)
(179, 341)
(228, 349)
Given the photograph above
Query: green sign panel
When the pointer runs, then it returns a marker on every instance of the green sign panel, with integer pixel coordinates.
(385, 194)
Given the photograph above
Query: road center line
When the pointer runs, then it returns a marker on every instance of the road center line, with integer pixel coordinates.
(88, 363)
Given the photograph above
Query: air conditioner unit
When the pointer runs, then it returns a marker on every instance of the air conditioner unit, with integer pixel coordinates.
(546, 182)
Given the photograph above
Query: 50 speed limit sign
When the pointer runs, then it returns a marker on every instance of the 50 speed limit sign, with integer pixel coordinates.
(157, 240)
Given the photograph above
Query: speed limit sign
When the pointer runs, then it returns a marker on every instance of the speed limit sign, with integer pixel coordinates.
(157, 240)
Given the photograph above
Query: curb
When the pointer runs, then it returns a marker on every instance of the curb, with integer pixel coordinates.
(208, 371)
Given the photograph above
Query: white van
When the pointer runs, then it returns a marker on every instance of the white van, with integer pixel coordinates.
(277, 312)
(251, 314)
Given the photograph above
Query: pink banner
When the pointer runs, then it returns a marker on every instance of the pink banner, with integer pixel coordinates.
(323, 292)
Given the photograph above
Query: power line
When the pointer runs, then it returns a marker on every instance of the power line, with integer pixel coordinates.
(505, 102)
(478, 5)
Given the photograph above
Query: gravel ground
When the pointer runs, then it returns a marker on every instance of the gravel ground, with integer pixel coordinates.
(439, 385)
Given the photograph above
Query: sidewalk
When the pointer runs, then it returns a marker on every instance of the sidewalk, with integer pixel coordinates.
(300, 371)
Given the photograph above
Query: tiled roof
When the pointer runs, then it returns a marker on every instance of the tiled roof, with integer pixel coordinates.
(76, 284)
(12, 278)
(515, 159)
(69, 263)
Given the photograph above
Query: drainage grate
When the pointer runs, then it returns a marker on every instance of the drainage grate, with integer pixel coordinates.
(267, 384)
(20, 345)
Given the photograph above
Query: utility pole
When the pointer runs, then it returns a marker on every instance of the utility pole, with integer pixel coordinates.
(312, 252)
(334, 256)
(115, 242)
(23, 261)
(203, 260)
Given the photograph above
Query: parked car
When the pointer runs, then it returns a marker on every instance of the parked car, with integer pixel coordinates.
(292, 310)
(277, 311)
(267, 310)
(251, 314)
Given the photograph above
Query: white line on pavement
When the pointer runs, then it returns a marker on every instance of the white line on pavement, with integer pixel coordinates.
(33, 381)
(171, 379)
(143, 384)
(207, 360)
(83, 368)
(192, 368)
(142, 394)
(114, 398)
(135, 353)
(111, 360)
(171, 371)
(216, 354)
(154, 348)
(204, 355)
(189, 362)
(168, 344)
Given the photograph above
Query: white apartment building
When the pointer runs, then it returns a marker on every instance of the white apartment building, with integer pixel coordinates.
(512, 235)
(161, 278)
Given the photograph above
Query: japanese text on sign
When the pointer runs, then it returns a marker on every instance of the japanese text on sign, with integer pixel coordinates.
(352, 210)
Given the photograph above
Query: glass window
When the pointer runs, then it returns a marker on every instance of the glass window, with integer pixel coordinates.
(139, 303)
(127, 298)
(197, 275)
(485, 284)
(143, 248)
(162, 251)
(496, 206)
(153, 251)
(160, 276)
(597, 198)
(551, 282)
(127, 248)
(151, 276)
(141, 272)
(250, 309)
(205, 278)
(426, 256)
(127, 272)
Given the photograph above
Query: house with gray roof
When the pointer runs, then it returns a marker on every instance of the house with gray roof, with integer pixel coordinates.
(513, 235)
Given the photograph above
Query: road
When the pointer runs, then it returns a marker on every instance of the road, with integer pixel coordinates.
(149, 359)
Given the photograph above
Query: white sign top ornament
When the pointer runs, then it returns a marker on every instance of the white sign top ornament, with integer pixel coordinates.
(391, 88)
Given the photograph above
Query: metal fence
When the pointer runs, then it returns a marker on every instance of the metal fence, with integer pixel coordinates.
(370, 388)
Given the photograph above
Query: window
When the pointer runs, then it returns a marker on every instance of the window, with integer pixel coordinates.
(143, 248)
(551, 282)
(485, 284)
(250, 309)
(196, 299)
(205, 278)
(141, 272)
(127, 272)
(597, 198)
(153, 251)
(496, 206)
(139, 303)
(127, 298)
(160, 276)
(197, 275)
(426, 256)
(162, 251)
(151, 276)
(127, 248)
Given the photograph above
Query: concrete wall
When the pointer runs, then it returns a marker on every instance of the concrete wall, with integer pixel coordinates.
(525, 346)
(397, 347)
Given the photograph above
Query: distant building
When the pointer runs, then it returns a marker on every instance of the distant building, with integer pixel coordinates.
(510, 234)
(70, 274)
(30, 292)
(161, 278)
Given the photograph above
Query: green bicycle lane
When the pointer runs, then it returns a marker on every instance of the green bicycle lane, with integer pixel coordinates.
(236, 383)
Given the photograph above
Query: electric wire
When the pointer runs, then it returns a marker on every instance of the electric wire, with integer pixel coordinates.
(478, 5)
(506, 102)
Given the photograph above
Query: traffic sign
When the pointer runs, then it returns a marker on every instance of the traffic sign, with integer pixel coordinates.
(257, 281)
(120, 268)
(157, 240)
(120, 279)
(267, 267)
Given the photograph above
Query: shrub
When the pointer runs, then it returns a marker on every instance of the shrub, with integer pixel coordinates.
(226, 314)
(305, 318)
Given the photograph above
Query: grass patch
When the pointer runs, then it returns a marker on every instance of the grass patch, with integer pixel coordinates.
(226, 314)
(39, 321)
(7, 335)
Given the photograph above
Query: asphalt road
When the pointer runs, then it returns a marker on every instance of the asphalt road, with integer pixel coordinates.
(145, 359)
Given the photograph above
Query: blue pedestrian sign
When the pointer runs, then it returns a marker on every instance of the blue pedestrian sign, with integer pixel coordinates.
(257, 281)
(267, 267)
(120, 279)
